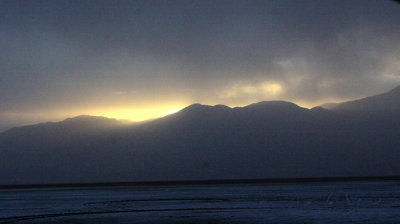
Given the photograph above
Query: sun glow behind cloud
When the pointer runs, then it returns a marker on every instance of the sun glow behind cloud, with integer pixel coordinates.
(235, 54)
(261, 89)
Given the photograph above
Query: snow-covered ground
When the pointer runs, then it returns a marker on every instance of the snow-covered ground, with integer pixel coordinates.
(356, 202)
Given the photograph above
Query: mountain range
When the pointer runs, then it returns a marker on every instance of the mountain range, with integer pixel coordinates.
(271, 139)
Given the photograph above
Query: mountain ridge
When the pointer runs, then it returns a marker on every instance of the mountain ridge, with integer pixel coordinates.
(272, 139)
(352, 105)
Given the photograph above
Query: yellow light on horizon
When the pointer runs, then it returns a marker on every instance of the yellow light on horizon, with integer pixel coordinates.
(142, 112)
(174, 111)
(137, 114)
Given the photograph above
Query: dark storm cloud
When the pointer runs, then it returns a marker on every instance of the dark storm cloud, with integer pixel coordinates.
(73, 53)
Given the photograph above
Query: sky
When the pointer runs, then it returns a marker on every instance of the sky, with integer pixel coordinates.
(138, 60)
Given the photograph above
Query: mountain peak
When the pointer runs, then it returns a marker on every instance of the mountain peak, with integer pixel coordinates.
(91, 122)
(196, 107)
(201, 108)
(88, 118)
(274, 105)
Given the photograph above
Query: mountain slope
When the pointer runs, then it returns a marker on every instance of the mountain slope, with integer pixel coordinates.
(76, 125)
(272, 139)
(386, 102)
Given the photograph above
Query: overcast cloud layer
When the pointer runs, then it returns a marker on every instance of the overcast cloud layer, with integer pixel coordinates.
(67, 55)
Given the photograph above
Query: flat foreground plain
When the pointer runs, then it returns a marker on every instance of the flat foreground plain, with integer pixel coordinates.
(329, 202)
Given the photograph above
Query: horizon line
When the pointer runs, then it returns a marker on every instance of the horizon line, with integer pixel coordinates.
(206, 182)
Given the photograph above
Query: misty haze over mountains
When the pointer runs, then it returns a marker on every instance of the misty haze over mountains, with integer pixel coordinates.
(273, 139)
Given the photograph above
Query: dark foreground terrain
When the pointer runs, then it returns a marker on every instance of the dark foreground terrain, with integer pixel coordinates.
(334, 202)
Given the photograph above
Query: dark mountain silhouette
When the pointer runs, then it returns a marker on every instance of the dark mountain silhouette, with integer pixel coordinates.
(273, 139)
(83, 123)
(60, 131)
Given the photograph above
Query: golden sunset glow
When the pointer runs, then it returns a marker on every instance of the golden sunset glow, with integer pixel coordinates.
(137, 114)
(140, 66)
(174, 111)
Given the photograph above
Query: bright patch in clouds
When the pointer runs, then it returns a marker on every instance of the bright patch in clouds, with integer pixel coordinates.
(271, 89)
(262, 89)
(391, 71)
